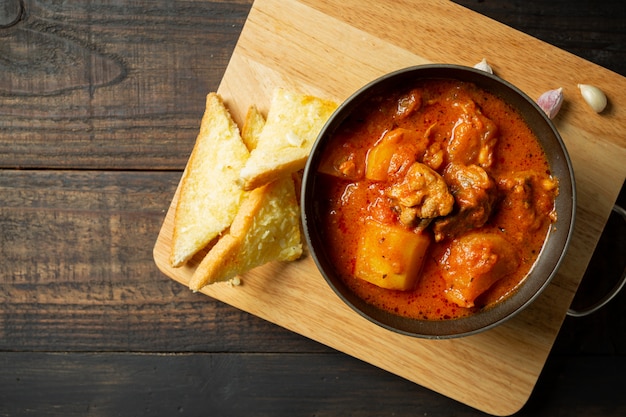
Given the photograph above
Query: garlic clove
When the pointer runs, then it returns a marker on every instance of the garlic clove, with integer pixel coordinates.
(484, 66)
(551, 101)
(593, 96)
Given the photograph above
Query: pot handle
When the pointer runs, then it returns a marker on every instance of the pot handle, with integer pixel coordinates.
(611, 294)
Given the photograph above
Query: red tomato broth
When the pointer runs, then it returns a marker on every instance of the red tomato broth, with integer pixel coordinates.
(350, 199)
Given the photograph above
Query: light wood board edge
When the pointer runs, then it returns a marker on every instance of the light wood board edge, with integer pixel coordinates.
(296, 297)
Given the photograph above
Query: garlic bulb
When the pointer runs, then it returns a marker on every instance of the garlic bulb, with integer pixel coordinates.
(550, 102)
(593, 96)
(484, 66)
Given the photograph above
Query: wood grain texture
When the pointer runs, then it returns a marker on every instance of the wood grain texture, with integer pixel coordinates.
(88, 329)
(76, 268)
(217, 384)
(284, 46)
(122, 90)
(595, 31)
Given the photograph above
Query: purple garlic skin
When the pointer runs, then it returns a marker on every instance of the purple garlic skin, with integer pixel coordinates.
(550, 102)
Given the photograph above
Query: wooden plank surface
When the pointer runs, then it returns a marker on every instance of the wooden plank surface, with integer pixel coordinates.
(89, 325)
(125, 94)
(332, 48)
(219, 384)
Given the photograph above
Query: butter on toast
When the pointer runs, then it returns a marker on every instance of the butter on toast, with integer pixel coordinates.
(210, 193)
(292, 125)
(266, 228)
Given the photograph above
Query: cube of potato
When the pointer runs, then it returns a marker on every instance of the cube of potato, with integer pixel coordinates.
(378, 160)
(379, 157)
(397, 148)
(390, 256)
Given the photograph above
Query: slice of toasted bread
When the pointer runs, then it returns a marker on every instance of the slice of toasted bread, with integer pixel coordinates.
(252, 127)
(266, 228)
(293, 123)
(210, 194)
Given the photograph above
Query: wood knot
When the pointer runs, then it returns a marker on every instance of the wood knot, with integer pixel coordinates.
(11, 12)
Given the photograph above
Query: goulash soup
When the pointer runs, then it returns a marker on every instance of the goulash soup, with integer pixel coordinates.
(436, 200)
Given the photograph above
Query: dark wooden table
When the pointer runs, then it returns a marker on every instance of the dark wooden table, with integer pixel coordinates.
(100, 103)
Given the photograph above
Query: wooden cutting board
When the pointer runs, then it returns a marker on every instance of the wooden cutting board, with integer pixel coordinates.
(330, 48)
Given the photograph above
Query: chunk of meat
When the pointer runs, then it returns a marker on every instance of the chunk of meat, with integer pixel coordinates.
(473, 263)
(408, 104)
(473, 138)
(475, 194)
(530, 196)
(434, 155)
(422, 194)
(343, 163)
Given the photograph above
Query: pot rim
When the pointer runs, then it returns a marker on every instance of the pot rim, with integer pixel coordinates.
(555, 245)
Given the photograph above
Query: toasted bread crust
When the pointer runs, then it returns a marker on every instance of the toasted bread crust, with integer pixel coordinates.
(210, 195)
(240, 229)
(293, 123)
(252, 127)
(266, 228)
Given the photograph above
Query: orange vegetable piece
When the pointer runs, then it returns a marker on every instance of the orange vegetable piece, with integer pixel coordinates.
(390, 256)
